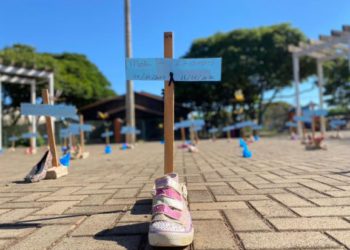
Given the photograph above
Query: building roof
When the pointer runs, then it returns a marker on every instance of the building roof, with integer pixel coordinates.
(147, 105)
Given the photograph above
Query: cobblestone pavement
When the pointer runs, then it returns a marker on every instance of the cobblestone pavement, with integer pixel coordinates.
(282, 198)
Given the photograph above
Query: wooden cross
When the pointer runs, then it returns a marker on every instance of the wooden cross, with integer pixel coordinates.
(171, 71)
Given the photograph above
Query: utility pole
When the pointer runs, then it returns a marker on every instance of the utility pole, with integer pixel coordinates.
(129, 97)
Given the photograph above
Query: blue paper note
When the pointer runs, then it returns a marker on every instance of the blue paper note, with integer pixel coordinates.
(74, 128)
(305, 119)
(48, 110)
(107, 134)
(213, 130)
(291, 124)
(129, 130)
(29, 135)
(184, 70)
(13, 138)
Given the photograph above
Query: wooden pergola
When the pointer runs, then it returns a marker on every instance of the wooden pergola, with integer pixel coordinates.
(19, 75)
(326, 48)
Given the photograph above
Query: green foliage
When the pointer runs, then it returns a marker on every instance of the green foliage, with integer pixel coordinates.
(337, 85)
(79, 80)
(254, 60)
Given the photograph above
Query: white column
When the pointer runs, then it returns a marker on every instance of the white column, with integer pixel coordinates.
(297, 91)
(0, 114)
(33, 101)
(320, 89)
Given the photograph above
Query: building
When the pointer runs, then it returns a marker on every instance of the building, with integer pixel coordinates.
(148, 112)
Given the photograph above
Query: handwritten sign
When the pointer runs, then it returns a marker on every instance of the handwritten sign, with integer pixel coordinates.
(129, 130)
(13, 138)
(190, 123)
(291, 125)
(184, 70)
(29, 135)
(305, 119)
(106, 134)
(257, 127)
(64, 133)
(213, 130)
(228, 128)
(76, 128)
(337, 123)
(315, 113)
(48, 110)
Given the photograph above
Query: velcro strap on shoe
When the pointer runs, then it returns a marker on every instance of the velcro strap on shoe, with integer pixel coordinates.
(170, 193)
(166, 210)
(168, 201)
(167, 182)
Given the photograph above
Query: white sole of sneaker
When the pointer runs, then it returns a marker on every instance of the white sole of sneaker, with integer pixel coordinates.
(170, 239)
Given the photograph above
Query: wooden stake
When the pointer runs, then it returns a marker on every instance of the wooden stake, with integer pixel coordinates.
(183, 133)
(82, 141)
(49, 130)
(168, 110)
(107, 137)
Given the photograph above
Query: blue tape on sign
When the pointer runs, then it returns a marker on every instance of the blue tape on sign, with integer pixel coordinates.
(48, 110)
(129, 130)
(337, 123)
(305, 119)
(29, 135)
(291, 124)
(213, 130)
(13, 138)
(184, 70)
(107, 134)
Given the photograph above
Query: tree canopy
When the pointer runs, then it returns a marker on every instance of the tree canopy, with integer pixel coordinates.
(253, 60)
(77, 79)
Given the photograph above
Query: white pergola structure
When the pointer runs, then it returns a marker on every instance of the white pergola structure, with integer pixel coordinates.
(32, 77)
(326, 48)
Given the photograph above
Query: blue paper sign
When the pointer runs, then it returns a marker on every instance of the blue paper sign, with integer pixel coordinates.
(64, 133)
(29, 135)
(190, 123)
(229, 128)
(107, 134)
(213, 130)
(291, 124)
(305, 119)
(337, 123)
(315, 113)
(74, 128)
(257, 127)
(13, 138)
(245, 124)
(184, 70)
(48, 110)
(129, 130)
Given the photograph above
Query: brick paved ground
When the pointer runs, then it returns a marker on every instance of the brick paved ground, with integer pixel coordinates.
(282, 198)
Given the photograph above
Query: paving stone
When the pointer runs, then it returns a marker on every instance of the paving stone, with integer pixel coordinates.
(292, 200)
(126, 193)
(321, 224)
(322, 211)
(245, 220)
(217, 205)
(270, 208)
(31, 197)
(342, 236)
(105, 243)
(286, 240)
(307, 193)
(13, 231)
(200, 196)
(95, 224)
(57, 207)
(241, 197)
(52, 219)
(88, 210)
(213, 235)
(95, 200)
(4, 243)
(64, 198)
(15, 214)
(206, 215)
(43, 237)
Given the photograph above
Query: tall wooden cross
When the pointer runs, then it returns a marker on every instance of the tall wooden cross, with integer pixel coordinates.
(171, 71)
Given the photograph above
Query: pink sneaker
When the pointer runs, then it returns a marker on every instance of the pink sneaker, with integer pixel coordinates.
(171, 224)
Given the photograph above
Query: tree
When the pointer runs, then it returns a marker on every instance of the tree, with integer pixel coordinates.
(79, 80)
(253, 60)
(337, 84)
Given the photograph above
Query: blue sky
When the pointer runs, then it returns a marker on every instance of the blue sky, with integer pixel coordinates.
(96, 27)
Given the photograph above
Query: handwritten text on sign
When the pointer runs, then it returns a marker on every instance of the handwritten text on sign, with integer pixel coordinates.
(184, 70)
(48, 110)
